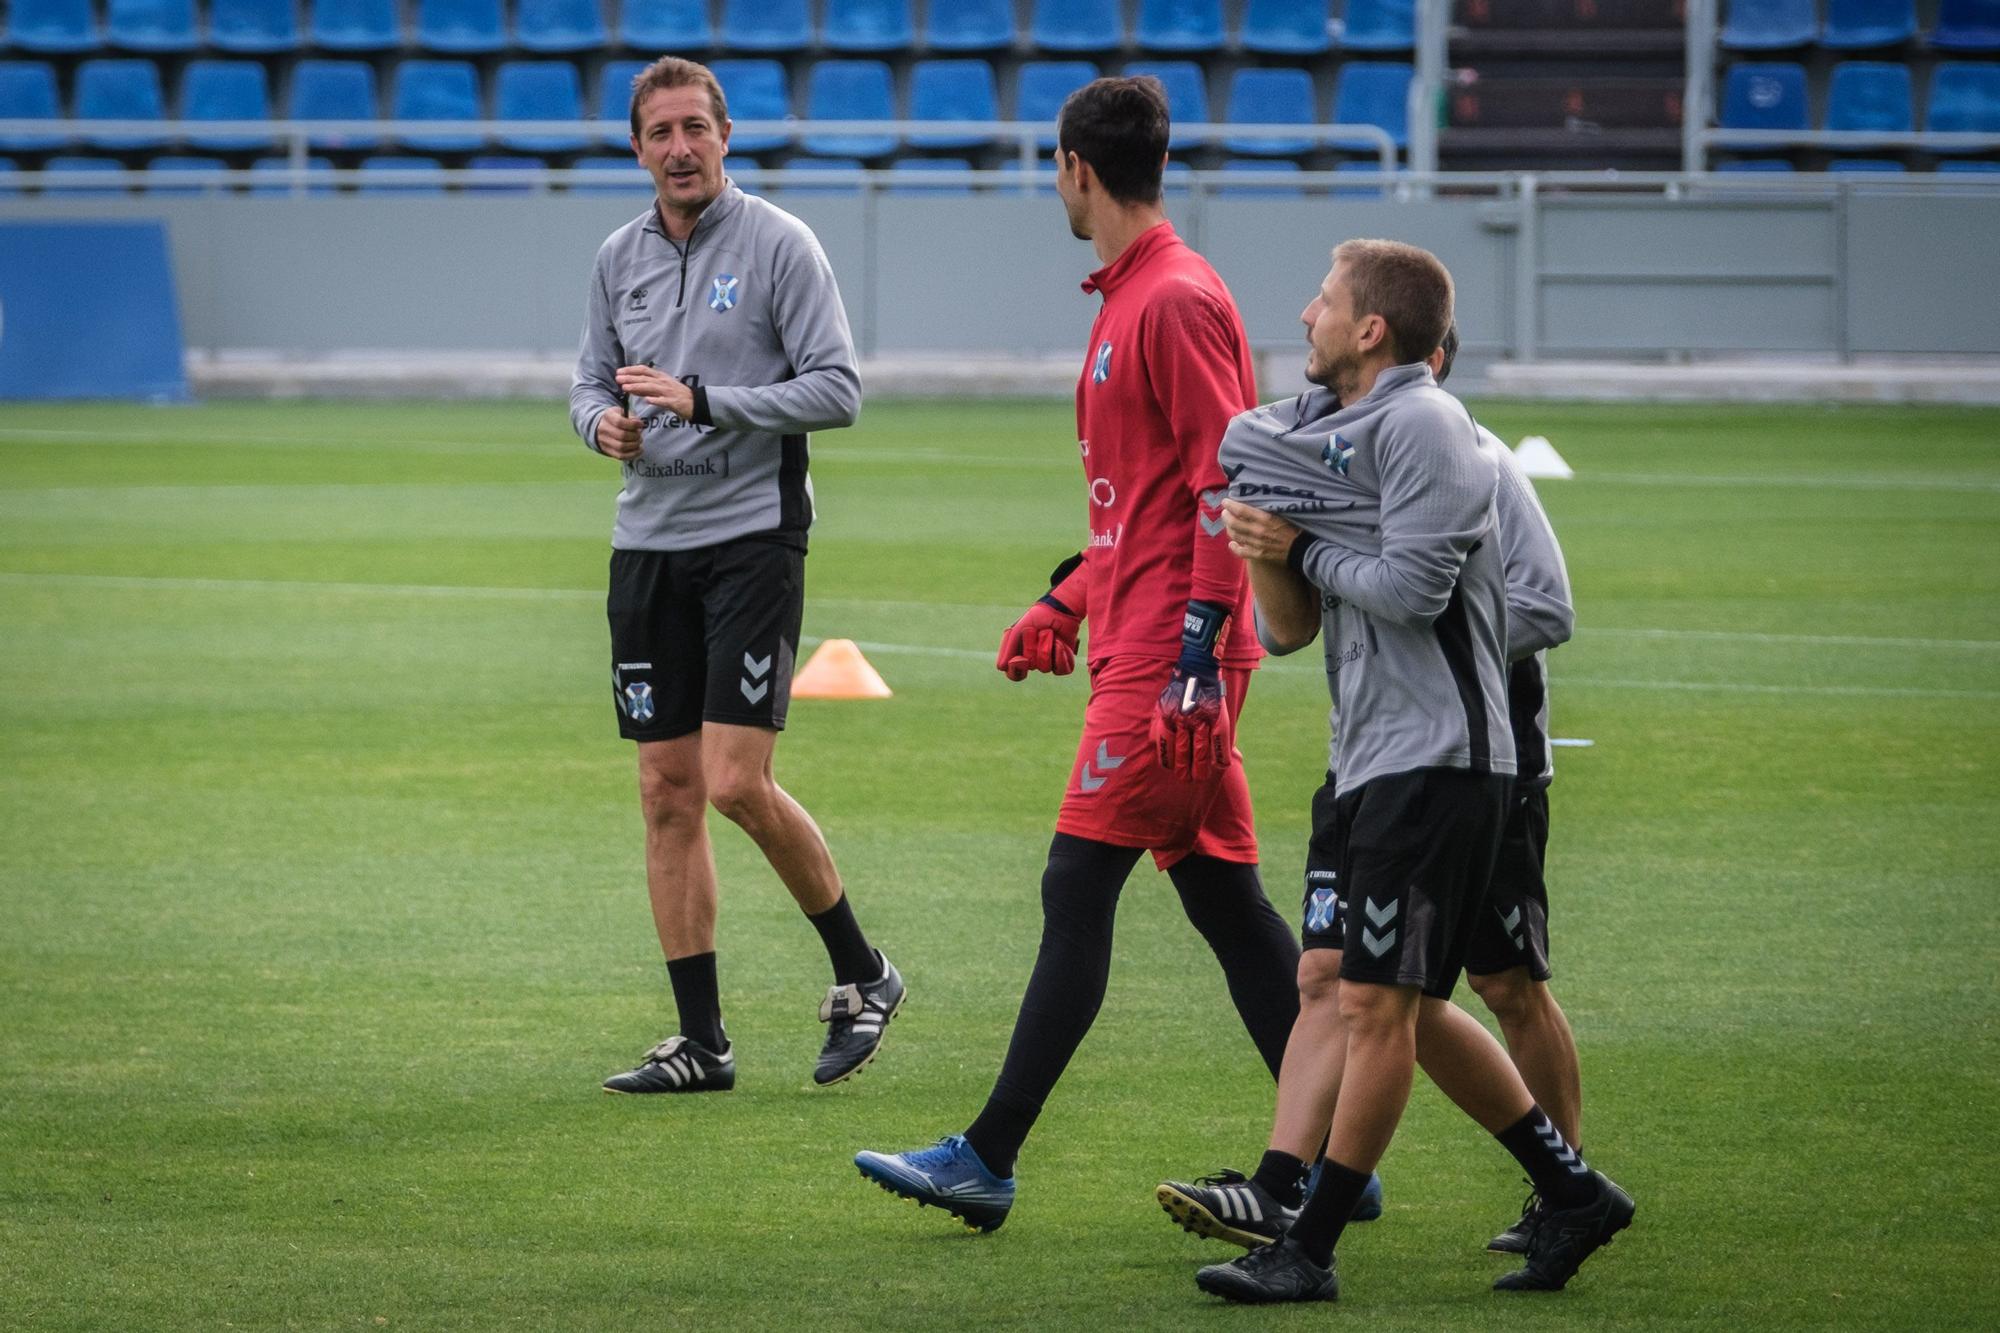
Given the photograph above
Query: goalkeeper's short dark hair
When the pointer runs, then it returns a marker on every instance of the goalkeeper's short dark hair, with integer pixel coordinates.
(1119, 126)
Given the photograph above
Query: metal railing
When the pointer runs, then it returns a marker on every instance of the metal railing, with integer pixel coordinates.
(300, 139)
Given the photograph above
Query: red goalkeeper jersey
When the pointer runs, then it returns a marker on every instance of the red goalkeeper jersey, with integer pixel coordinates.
(1168, 365)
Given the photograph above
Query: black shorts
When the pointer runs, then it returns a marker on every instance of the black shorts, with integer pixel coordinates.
(1326, 912)
(1513, 929)
(708, 635)
(1417, 853)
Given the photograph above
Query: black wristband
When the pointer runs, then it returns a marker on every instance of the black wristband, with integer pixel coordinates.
(699, 412)
(1202, 625)
(1064, 570)
(1295, 558)
(1049, 599)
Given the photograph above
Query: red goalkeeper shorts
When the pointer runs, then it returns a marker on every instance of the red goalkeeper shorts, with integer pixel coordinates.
(1119, 794)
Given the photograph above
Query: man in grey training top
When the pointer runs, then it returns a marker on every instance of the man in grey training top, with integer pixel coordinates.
(1368, 507)
(715, 340)
(1507, 954)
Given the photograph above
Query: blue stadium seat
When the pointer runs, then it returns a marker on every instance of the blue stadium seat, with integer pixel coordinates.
(507, 164)
(824, 164)
(664, 25)
(611, 175)
(1238, 164)
(437, 90)
(1379, 25)
(8, 187)
(1769, 25)
(93, 165)
(1870, 95)
(120, 90)
(755, 90)
(910, 173)
(953, 90)
(734, 166)
(540, 90)
(151, 25)
(1043, 86)
(766, 25)
(253, 27)
(28, 92)
(1187, 95)
(461, 27)
(1864, 164)
(380, 175)
(163, 173)
(850, 90)
(1077, 25)
(1180, 25)
(1764, 97)
(1958, 167)
(968, 25)
(1371, 93)
(272, 165)
(1286, 27)
(1756, 164)
(1964, 98)
(1270, 97)
(866, 25)
(356, 25)
(614, 99)
(559, 25)
(334, 90)
(1856, 25)
(52, 27)
(1967, 25)
(226, 90)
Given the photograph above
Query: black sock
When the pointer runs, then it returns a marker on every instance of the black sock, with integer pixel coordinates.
(1324, 1214)
(696, 997)
(1558, 1171)
(846, 947)
(1079, 902)
(1327, 1209)
(1259, 955)
(1282, 1176)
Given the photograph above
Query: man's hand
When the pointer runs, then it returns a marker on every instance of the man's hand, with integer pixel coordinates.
(1042, 640)
(618, 435)
(658, 388)
(1191, 731)
(1256, 535)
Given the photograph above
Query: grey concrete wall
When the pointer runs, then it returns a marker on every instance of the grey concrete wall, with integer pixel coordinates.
(1624, 276)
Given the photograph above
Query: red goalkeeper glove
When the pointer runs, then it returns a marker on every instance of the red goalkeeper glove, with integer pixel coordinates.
(1045, 638)
(1191, 730)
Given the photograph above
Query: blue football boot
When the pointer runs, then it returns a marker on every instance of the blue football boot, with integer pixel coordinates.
(947, 1175)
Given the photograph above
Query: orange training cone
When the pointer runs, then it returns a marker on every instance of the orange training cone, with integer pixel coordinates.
(838, 671)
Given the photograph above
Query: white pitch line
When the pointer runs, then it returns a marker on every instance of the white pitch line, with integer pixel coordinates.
(1560, 683)
(135, 583)
(123, 582)
(1799, 483)
(1747, 636)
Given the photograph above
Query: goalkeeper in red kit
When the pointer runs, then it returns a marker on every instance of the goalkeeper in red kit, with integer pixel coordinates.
(1172, 646)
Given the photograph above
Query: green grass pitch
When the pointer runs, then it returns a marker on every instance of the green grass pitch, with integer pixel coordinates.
(321, 909)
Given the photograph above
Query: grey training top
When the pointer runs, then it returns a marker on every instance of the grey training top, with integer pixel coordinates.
(748, 315)
(1539, 614)
(1400, 490)
(1539, 617)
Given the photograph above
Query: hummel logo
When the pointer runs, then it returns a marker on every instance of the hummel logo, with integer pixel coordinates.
(1511, 922)
(1381, 916)
(756, 669)
(1213, 500)
(1107, 761)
